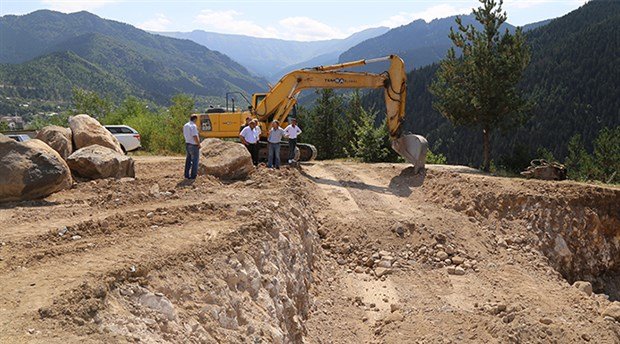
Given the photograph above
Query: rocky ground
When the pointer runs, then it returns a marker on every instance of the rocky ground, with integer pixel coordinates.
(331, 252)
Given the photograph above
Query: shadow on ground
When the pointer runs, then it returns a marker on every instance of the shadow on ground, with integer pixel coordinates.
(400, 185)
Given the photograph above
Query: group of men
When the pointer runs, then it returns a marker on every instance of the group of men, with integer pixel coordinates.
(249, 136)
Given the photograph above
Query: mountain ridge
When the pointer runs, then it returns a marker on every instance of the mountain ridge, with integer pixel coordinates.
(154, 66)
(429, 45)
(272, 57)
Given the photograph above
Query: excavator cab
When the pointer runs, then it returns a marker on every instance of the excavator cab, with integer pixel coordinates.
(257, 98)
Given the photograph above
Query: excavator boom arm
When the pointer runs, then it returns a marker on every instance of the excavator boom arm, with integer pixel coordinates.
(279, 101)
(283, 96)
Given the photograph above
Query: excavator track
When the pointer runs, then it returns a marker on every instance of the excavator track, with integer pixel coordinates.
(303, 152)
(307, 152)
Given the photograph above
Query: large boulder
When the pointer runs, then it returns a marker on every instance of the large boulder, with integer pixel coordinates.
(30, 170)
(87, 131)
(224, 159)
(59, 138)
(94, 162)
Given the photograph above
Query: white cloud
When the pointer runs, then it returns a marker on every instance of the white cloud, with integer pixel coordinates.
(229, 22)
(294, 28)
(68, 6)
(433, 12)
(308, 29)
(159, 23)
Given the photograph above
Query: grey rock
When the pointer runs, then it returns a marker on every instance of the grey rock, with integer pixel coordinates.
(442, 255)
(30, 170)
(95, 162)
(58, 138)
(87, 131)
(612, 311)
(546, 321)
(584, 286)
(224, 159)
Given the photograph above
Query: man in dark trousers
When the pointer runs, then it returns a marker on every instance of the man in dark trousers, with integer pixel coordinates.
(292, 131)
(192, 147)
(249, 137)
(275, 136)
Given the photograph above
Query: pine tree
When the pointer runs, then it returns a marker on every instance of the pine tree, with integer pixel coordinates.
(607, 155)
(479, 89)
(323, 125)
(370, 143)
(579, 164)
(354, 113)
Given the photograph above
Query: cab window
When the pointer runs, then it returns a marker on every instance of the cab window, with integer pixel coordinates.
(259, 98)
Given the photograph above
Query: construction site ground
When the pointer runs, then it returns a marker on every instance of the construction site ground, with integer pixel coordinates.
(330, 252)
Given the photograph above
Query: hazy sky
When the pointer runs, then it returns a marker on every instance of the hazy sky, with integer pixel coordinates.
(299, 20)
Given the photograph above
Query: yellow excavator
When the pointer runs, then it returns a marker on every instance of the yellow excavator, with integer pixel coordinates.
(281, 99)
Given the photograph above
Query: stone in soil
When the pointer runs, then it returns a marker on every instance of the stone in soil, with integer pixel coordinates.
(442, 255)
(379, 272)
(612, 311)
(585, 287)
(458, 260)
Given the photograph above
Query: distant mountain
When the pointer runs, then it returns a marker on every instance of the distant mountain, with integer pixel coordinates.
(418, 43)
(536, 25)
(53, 75)
(271, 57)
(572, 80)
(45, 53)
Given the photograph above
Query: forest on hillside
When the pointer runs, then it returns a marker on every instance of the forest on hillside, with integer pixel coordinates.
(571, 83)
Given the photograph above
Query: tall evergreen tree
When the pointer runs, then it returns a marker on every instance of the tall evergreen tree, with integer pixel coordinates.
(324, 123)
(370, 143)
(479, 88)
(607, 155)
(354, 113)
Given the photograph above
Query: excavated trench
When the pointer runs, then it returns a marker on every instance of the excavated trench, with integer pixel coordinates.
(577, 227)
(250, 284)
(255, 283)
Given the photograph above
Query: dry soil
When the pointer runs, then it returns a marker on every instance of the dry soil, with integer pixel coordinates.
(331, 252)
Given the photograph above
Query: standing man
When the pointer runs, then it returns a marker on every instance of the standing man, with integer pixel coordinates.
(292, 131)
(192, 147)
(275, 136)
(249, 137)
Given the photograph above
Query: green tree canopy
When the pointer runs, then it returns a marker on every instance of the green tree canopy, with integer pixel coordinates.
(479, 88)
(91, 103)
(324, 123)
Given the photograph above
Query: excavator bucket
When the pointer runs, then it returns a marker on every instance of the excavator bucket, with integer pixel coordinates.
(413, 148)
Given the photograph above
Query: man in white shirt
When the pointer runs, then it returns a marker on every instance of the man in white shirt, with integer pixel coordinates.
(275, 136)
(249, 137)
(292, 131)
(192, 147)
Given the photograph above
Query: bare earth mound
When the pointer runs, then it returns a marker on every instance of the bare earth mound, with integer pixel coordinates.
(330, 253)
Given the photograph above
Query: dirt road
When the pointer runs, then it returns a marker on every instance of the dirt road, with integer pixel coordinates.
(331, 253)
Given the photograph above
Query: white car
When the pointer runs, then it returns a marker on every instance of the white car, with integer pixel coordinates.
(128, 137)
(19, 137)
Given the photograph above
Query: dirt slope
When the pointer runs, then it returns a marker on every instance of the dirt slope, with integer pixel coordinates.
(330, 253)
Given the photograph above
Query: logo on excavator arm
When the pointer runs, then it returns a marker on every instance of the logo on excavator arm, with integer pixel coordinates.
(339, 81)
